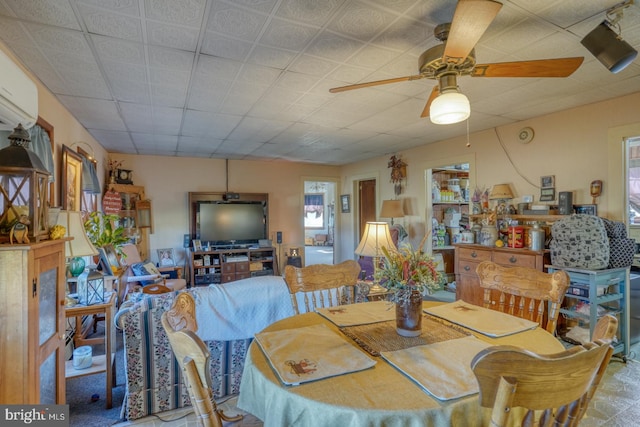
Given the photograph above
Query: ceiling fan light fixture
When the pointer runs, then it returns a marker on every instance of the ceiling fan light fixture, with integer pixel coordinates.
(449, 107)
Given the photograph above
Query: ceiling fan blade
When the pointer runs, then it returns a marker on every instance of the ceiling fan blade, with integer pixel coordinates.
(434, 93)
(376, 83)
(561, 67)
(470, 20)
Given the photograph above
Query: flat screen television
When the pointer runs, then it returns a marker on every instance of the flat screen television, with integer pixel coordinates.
(223, 223)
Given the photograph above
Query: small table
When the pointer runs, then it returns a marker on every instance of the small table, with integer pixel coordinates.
(100, 363)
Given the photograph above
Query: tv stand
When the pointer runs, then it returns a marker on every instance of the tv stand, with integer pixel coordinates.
(228, 264)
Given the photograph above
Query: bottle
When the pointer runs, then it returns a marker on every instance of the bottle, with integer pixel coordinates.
(537, 237)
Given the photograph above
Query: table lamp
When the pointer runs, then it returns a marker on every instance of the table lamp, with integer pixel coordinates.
(375, 237)
(391, 209)
(78, 247)
(502, 193)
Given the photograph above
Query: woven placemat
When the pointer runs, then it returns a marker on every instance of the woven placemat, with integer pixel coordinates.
(382, 336)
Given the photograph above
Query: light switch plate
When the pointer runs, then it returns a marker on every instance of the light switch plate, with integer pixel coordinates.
(527, 199)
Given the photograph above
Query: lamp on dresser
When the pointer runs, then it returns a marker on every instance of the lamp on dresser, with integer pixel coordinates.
(391, 209)
(375, 237)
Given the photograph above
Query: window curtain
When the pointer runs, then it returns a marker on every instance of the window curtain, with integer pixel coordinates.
(40, 144)
(90, 182)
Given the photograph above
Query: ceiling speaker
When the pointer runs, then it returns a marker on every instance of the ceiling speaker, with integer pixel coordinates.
(613, 52)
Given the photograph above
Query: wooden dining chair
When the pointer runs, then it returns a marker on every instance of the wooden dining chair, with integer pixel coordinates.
(552, 389)
(604, 332)
(524, 292)
(322, 285)
(192, 355)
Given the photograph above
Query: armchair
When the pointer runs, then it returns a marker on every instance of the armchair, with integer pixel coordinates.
(137, 273)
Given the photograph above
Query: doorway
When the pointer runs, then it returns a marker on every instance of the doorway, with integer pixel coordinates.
(319, 221)
(366, 204)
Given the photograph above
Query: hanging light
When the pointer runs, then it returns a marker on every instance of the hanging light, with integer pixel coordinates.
(606, 44)
(450, 106)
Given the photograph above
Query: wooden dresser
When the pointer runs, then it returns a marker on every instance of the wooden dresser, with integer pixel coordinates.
(467, 258)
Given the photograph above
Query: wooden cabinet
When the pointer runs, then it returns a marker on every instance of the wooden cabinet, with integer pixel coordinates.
(228, 265)
(467, 258)
(32, 323)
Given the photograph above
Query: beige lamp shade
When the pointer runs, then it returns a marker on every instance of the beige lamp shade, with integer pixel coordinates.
(500, 192)
(80, 245)
(376, 236)
(391, 209)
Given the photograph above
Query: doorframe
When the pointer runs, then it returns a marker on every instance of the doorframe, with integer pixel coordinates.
(336, 217)
(355, 208)
(614, 194)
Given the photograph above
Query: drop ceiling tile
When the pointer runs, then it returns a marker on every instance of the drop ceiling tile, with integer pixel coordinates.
(403, 35)
(119, 50)
(373, 57)
(94, 113)
(195, 144)
(199, 123)
(181, 12)
(124, 7)
(168, 95)
(307, 64)
(288, 35)
(334, 47)
(52, 12)
(173, 36)
(101, 21)
(361, 20)
(312, 12)
(170, 58)
(155, 141)
(234, 21)
(217, 68)
(271, 57)
(52, 40)
(215, 44)
(131, 91)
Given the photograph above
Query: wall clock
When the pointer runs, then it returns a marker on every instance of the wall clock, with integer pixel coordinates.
(123, 176)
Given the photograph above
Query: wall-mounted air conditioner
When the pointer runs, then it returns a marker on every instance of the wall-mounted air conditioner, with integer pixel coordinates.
(18, 96)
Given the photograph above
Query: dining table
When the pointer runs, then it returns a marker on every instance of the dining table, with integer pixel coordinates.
(381, 395)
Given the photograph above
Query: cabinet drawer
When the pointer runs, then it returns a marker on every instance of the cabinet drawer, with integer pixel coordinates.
(474, 254)
(245, 275)
(242, 267)
(229, 268)
(514, 259)
(467, 267)
(228, 277)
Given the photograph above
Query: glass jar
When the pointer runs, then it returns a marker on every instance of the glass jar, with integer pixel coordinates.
(488, 235)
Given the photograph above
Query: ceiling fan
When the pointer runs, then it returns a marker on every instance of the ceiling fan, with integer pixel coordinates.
(456, 57)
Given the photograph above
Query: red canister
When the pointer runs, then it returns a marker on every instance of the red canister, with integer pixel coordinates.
(516, 236)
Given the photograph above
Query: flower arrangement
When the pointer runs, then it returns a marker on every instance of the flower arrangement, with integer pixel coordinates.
(406, 269)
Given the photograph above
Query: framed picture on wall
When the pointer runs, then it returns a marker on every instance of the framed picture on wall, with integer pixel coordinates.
(345, 203)
(71, 191)
(314, 210)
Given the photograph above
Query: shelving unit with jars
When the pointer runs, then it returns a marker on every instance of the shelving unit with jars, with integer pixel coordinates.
(136, 215)
(449, 192)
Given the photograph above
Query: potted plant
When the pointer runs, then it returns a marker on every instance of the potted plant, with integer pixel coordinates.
(103, 230)
(409, 274)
